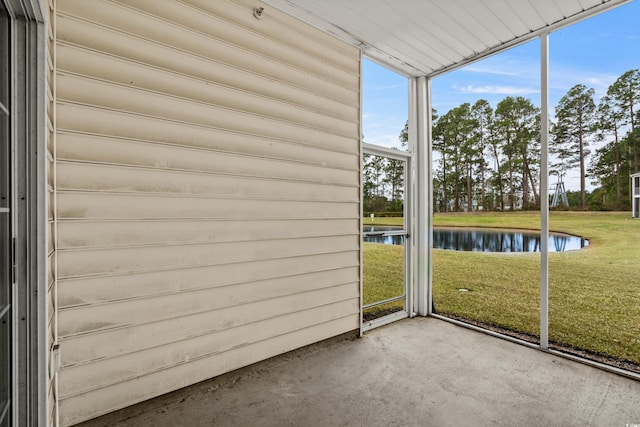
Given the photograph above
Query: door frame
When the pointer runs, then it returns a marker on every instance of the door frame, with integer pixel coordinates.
(408, 204)
(28, 127)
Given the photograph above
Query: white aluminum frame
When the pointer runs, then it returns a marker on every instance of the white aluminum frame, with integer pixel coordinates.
(29, 37)
(544, 191)
(424, 214)
(406, 157)
(425, 225)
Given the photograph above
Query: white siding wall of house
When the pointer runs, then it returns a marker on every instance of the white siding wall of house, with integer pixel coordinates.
(207, 210)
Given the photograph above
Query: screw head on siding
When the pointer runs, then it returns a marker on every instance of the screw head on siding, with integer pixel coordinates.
(257, 12)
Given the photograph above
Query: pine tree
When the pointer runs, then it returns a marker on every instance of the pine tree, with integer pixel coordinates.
(609, 117)
(625, 92)
(575, 126)
(517, 124)
(452, 137)
(482, 113)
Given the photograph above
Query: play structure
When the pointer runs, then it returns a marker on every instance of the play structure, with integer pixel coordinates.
(559, 194)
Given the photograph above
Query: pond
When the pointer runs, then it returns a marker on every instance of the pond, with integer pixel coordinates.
(485, 239)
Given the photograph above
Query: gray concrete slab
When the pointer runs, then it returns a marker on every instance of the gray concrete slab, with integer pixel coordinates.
(415, 372)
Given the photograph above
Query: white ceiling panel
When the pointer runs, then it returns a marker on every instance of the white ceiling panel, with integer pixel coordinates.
(549, 10)
(529, 16)
(428, 37)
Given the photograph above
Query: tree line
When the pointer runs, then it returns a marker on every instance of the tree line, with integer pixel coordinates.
(383, 185)
(489, 158)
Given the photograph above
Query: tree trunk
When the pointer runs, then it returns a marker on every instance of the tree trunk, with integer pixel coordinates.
(512, 191)
(582, 173)
(444, 181)
(456, 183)
(495, 155)
(536, 196)
(469, 188)
(618, 182)
(525, 185)
(633, 142)
(456, 190)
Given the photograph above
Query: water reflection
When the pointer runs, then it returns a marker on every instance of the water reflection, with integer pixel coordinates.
(387, 240)
(484, 240)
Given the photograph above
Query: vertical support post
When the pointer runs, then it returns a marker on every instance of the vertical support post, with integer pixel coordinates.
(544, 191)
(424, 195)
(412, 129)
(361, 225)
(429, 193)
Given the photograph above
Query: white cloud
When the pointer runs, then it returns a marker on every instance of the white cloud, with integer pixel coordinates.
(497, 89)
(383, 139)
(564, 78)
(500, 71)
(377, 87)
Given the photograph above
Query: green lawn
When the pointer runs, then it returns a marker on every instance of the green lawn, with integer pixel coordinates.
(383, 278)
(594, 293)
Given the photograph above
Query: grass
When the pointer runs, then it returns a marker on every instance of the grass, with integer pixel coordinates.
(383, 278)
(594, 293)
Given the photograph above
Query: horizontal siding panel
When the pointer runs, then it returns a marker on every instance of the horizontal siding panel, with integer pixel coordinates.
(128, 73)
(95, 120)
(89, 234)
(80, 263)
(295, 28)
(256, 42)
(87, 348)
(193, 31)
(83, 349)
(177, 39)
(74, 321)
(108, 371)
(278, 26)
(92, 404)
(102, 149)
(91, 290)
(92, 177)
(73, 88)
(104, 42)
(79, 205)
(199, 300)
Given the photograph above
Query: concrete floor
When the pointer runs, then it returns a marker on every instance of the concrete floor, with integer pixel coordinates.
(415, 372)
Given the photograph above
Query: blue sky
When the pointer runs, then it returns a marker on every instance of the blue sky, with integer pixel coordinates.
(593, 52)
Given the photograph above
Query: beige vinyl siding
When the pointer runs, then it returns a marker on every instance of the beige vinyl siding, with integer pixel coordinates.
(207, 201)
(190, 371)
